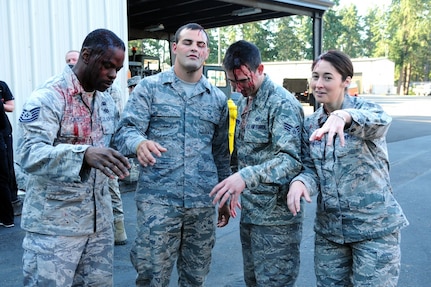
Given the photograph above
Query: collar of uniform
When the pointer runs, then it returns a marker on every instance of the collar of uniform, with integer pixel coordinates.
(263, 92)
(74, 86)
(168, 77)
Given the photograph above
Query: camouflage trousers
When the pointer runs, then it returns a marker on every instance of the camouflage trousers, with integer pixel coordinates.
(117, 203)
(52, 260)
(271, 254)
(373, 262)
(166, 234)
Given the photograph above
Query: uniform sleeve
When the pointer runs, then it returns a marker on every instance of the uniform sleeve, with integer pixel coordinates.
(284, 158)
(221, 144)
(39, 124)
(117, 96)
(134, 120)
(308, 174)
(369, 121)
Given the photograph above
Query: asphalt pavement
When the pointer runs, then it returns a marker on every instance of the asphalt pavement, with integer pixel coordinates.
(411, 179)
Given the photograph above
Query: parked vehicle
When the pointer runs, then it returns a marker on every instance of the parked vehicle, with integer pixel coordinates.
(423, 90)
(353, 89)
(217, 76)
(300, 89)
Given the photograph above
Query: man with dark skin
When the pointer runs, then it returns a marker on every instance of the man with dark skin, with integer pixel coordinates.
(67, 125)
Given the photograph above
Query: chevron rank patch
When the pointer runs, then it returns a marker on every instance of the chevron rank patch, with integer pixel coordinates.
(293, 130)
(29, 116)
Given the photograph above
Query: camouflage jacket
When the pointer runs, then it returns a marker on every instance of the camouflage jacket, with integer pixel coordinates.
(193, 129)
(355, 200)
(58, 123)
(268, 150)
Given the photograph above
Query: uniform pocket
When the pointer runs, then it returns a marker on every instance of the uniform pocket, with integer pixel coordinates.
(66, 193)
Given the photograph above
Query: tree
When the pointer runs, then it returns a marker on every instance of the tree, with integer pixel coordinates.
(402, 33)
(349, 40)
(261, 35)
(409, 26)
(376, 40)
(332, 29)
(293, 39)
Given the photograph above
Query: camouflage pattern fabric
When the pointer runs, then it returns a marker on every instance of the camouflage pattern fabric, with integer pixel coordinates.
(117, 203)
(355, 199)
(376, 262)
(271, 254)
(356, 208)
(55, 260)
(268, 149)
(193, 129)
(115, 92)
(176, 218)
(114, 188)
(64, 197)
(169, 232)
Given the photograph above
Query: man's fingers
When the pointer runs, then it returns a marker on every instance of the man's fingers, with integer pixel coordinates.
(147, 149)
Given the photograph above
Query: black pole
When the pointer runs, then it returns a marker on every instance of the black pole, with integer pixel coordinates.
(317, 42)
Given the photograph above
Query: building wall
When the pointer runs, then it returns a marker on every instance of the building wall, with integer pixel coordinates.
(373, 75)
(36, 34)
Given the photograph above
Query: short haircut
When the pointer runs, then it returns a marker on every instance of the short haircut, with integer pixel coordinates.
(339, 60)
(101, 40)
(242, 53)
(191, 26)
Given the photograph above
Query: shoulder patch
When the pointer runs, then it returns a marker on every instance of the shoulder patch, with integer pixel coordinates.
(29, 116)
(293, 130)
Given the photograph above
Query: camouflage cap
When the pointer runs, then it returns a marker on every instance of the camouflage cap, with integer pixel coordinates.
(133, 81)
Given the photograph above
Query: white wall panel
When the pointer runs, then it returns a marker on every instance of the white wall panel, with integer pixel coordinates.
(377, 73)
(36, 34)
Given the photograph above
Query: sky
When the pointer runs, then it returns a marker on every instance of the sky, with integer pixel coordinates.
(363, 5)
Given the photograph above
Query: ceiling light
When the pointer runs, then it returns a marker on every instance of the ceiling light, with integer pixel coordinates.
(246, 11)
(154, 28)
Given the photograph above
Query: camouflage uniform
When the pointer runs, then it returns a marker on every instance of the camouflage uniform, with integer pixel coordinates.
(67, 208)
(114, 187)
(268, 150)
(194, 129)
(355, 203)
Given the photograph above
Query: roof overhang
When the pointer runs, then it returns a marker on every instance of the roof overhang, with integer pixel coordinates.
(160, 19)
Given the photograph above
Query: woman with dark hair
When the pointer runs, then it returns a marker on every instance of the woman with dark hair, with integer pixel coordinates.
(358, 220)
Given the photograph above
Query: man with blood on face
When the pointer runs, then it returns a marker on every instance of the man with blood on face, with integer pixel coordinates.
(267, 155)
(66, 128)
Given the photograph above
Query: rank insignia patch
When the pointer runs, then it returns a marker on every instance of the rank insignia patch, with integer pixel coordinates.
(291, 129)
(29, 116)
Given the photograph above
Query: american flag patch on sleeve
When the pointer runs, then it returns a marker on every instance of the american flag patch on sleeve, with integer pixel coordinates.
(29, 116)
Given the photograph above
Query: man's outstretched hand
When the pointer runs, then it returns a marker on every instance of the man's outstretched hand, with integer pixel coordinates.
(109, 161)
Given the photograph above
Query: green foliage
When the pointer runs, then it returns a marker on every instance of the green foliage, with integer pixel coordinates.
(409, 26)
(401, 33)
(151, 47)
